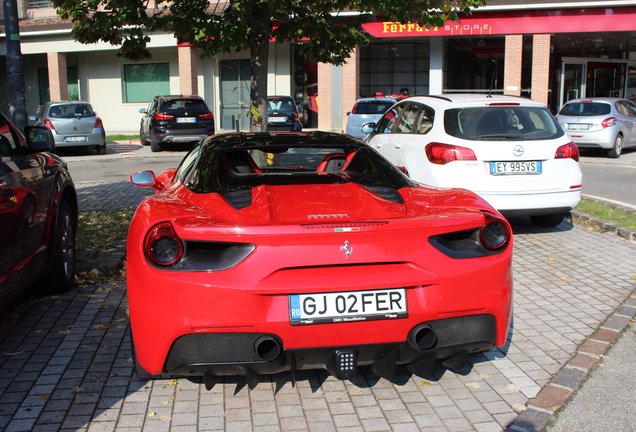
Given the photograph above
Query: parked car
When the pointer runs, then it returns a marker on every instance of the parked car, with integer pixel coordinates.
(509, 150)
(328, 258)
(605, 123)
(73, 124)
(181, 120)
(38, 214)
(367, 110)
(282, 114)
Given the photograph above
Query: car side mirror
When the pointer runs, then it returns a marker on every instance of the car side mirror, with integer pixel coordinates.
(368, 128)
(39, 138)
(145, 179)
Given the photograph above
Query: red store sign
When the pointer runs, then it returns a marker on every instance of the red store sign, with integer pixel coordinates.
(527, 22)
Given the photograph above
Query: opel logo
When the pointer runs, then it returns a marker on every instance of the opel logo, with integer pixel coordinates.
(517, 150)
(346, 249)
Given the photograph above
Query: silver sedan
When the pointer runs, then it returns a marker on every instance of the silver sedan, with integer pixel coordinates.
(605, 123)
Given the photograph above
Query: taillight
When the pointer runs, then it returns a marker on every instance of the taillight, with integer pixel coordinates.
(296, 118)
(162, 246)
(206, 116)
(442, 154)
(47, 123)
(355, 109)
(610, 121)
(494, 234)
(163, 116)
(98, 124)
(567, 151)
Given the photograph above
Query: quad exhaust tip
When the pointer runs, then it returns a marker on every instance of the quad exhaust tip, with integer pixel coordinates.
(267, 348)
(423, 337)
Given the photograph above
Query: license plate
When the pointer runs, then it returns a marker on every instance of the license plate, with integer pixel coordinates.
(347, 306)
(578, 126)
(276, 119)
(186, 120)
(75, 139)
(515, 168)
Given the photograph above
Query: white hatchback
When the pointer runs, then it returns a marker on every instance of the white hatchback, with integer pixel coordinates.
(509, 150)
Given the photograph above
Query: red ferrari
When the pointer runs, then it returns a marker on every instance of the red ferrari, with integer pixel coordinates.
(264, 253)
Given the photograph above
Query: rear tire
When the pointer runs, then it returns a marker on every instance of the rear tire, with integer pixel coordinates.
(101, 150)
(550, 220)
(61, 273)
(155, 146)
(142, 137)
(615, 152)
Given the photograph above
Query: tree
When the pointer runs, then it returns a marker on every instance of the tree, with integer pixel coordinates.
(323, 27)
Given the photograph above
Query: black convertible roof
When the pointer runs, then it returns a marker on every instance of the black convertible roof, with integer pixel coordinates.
(254, 140)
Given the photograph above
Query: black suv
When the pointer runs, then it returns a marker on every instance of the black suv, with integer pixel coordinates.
(38, 214)
(175, 120)
(282, 114)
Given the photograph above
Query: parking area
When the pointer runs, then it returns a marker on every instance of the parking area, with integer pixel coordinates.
(65, 361)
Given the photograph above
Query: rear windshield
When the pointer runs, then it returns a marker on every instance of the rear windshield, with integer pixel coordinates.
(71, 111)
(176, 105)
(281, 105)
(372, 107)
(502, 123)
(223, 170)
(585, 109)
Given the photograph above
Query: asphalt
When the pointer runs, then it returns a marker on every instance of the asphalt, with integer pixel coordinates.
(65, 361)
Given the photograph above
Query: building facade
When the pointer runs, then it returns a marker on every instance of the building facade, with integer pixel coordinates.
(547, 50)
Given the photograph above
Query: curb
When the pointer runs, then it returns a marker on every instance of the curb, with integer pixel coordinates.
(597, 224)
(589, 354)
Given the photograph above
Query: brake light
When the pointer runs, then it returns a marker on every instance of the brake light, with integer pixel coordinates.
(442, 154)
(163, 116)
(207, 116)
(98, 123)
(355, 109)
(296, 118)
(567, 151)
(47, 123)
(162, 246)
(494, 234)
(610, 121)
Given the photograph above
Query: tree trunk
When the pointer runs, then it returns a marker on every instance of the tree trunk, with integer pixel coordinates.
(259, 18)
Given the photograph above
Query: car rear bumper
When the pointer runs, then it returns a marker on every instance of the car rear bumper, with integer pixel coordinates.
(451, 339)
(599, 139)
(92, 139)
(528, 204)
(171, 316)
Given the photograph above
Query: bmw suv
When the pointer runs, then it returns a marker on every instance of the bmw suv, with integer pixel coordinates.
(179, 120)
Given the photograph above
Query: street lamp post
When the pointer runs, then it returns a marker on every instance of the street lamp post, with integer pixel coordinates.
(15, 65)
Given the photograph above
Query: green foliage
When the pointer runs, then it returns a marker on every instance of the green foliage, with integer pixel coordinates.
(323, 27)
(608, 213)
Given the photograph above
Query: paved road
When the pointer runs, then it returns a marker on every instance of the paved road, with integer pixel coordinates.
(65, 361)
(612, 179)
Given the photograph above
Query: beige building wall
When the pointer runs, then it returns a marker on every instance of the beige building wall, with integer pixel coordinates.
(540, 67)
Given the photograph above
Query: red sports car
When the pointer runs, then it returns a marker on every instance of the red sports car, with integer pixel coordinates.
(266, 252)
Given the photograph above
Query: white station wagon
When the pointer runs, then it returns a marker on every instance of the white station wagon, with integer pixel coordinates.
(509, 150)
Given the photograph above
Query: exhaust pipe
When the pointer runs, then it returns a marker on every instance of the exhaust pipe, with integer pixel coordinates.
(267, 348)
(423, 337)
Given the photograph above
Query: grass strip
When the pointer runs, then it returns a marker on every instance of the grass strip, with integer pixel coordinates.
(608, 213)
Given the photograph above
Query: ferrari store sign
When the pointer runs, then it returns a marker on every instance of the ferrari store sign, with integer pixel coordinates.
(526, 22)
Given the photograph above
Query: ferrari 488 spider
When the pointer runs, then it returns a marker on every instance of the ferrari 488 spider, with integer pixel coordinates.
(264, 253)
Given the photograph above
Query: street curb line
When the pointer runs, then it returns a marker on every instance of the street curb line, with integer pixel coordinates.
(585, 219)
(555, 395)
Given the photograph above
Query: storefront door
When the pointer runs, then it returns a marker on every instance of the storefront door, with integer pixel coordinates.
(573, 82)
(235, 94)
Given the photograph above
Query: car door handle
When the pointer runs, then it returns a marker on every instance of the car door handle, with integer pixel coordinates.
(398, 146)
